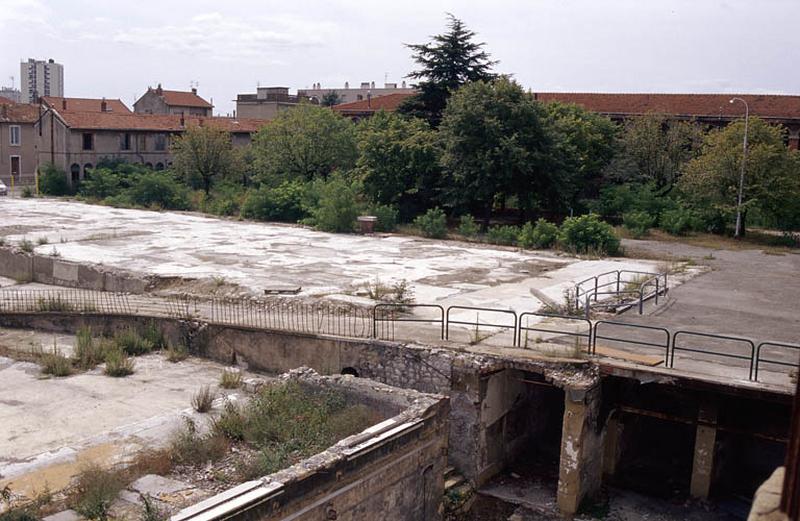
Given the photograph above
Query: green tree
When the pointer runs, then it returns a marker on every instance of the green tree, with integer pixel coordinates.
(398, 162)
(495, 143)
(202, 154)
(584, 145)
(771, 179)
(654, 149)
(304, 143)
(449, 61)
(330, 98)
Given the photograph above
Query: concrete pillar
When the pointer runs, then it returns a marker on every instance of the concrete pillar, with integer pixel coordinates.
(581, 465)
(704, 447)
(611, 445)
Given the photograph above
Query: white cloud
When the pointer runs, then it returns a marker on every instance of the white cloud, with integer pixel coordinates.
(22, 12)
(230, 38)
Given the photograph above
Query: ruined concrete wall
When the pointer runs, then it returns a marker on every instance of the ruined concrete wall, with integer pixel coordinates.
(392, 474)
(31, 267)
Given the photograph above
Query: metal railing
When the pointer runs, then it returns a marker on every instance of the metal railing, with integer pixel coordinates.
(613, 284)
(375, 322)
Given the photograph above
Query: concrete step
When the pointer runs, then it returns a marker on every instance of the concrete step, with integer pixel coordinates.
(453, 481)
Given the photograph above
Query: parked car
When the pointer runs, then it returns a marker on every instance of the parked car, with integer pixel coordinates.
(3, 188)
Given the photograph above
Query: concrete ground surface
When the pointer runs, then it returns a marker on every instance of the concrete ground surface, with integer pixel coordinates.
(51, 427)
(263, 256)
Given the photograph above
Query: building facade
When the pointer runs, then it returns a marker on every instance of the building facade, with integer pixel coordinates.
(160, 101)
(348, 95)
(41, 78)
(266, 103)
(18, 143)
(11, 94)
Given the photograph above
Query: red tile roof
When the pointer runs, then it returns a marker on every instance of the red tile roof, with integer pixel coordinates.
(6, 101)
(177, 98)
(687, 105)
(389, 103)
(155, 122)
(85, 104)
(18, 113)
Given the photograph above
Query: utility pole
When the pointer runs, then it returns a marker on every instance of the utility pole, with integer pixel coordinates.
(738, 232)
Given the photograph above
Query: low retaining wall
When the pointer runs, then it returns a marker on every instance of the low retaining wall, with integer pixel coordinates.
(46, 269)
(395, 472)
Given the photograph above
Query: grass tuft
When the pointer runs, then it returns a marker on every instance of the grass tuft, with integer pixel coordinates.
(117, 362)
(89, 352)
(55, 363)
(203, 399)
(177, 353)
(94, 492)
(132, 343)
(230, 379)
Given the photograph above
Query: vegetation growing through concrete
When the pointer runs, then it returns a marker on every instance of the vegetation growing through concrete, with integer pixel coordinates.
(230, 379)
(203, 399)
(94, 492)
(118, 364)
(54, 362)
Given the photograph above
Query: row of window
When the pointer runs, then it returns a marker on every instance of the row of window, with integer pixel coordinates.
(126, 141)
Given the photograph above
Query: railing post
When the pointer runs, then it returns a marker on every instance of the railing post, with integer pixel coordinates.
(641, 300)
(595, 289)
(586, 307)
(656, 290)
(618, 276)
(375, 321)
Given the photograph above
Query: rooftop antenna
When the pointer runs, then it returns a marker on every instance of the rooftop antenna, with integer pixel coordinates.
(12, 82)
(193, 84)
(385, 77)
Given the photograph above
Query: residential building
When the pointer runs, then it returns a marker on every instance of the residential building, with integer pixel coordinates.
(347, 94)
(160, 101)
(41, 78)
(18, 143)
(11, 94)
(266, 103)
(708, 109)
(365, 108)
(86, 104)
(76, 141)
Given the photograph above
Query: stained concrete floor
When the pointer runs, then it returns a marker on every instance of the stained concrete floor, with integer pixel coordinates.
(51, 427)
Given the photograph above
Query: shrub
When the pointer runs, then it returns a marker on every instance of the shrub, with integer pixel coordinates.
(117, 362)
(638, 223)
(467, 226)
(101, 184)
(132, 343)
(336, 206)
(387, 215)
(95, 491)
(88, 353)
(203, 399)
(27, 192)
(586, 234)
(432, 223)
(282, 203)
(504, 235)
(153, 335)
(41, 241)
(231, 423)
(53, 181)
(230, 379)
(227, 199)
(541, 235)
(159, 189)
(177, 353)
(679, 221)
(26, 245)
(55, 363)
(187, 447)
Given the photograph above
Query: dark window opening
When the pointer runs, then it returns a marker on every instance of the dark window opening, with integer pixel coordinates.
(87, 170)
(351, 371)
(125, 141)
(88, 141)
(159, 166)
(161, 142)
(75, 173)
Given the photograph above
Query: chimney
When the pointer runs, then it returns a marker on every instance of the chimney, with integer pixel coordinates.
(5, 111)
(347, 85)
(369, 99)
(103, 106)
(194, 90)
(183, 121)
(372, 85)
(64, 104)
(404, 84)
(159, 91)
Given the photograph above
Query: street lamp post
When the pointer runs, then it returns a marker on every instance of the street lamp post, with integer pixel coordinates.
(738, 232)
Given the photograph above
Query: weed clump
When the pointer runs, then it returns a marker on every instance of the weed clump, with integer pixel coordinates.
(432, 223)
(177, 353)
(117, 362)
(89, 352)
(188, 447)
(230, 379)
(203, 399)
(95, 490)
(132, 343)
(55, 363)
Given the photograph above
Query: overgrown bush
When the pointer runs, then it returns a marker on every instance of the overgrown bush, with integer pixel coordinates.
(159, 189)
(188, 447)
(432, 223)
(89, 352)
(132, 343)
(230, 379)
(177, 352)
(118, 364)
(26, 245)
(226, 199)
(467, 226)
(152, 334)
(95, 491)
(281, 203)
(27, 192)
(333, 204)
(679, 221)
(102, 183)
(55, 363)
(638, 223)
(541, 235)
(588, 234)
(53, 181)
(387, 215)
(503, 235)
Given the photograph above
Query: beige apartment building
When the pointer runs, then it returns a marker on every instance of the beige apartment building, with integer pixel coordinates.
(18, 143)
(266, 103)
(160, 101)
(76, 141)
(362, 92)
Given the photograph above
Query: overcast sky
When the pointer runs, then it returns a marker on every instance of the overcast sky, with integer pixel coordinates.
(116, 48)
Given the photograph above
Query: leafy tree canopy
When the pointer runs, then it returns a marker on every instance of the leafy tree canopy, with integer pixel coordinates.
(203, 153)
(447, 62)
(304, 143)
